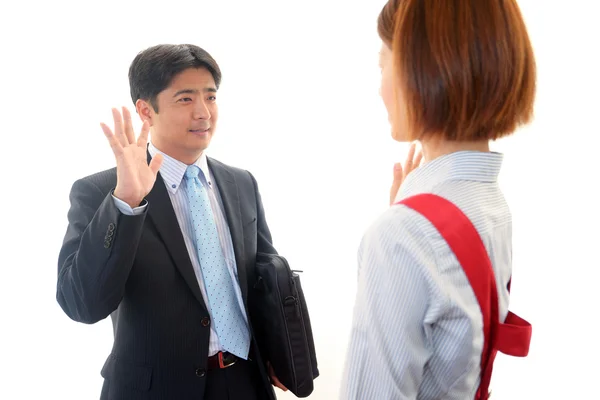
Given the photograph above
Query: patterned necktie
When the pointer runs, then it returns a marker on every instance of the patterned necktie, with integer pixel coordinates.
(227, 316)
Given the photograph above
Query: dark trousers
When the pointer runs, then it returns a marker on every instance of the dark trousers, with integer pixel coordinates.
(241, 381)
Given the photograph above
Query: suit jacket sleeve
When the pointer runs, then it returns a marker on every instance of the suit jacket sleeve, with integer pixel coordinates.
(97, 254)
(264, 240)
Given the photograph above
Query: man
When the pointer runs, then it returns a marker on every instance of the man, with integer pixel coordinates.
(166, 242)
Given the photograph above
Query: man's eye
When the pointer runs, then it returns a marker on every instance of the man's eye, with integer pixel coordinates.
(185, 99)
(212, 98)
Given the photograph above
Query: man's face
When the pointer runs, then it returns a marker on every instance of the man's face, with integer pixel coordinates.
(187, 115)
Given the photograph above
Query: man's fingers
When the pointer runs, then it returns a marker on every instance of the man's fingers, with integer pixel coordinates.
(119, 134)
(112, 140)
(128, 126)
(278, 384)
(107, 132)
(274, 379)
(143, 139)
(155, 163)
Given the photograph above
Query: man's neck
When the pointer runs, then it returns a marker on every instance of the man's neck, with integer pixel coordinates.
(186, 158)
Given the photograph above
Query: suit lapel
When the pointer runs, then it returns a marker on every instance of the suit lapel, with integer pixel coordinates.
(160, 210)
(231, 202)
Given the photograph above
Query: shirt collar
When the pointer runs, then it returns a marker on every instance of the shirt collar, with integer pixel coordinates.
(458, 166)
(173, 171)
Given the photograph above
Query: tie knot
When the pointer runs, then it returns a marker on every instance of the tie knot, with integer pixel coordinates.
(192, 171)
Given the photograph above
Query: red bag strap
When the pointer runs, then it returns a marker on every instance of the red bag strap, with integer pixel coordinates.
(464, 240)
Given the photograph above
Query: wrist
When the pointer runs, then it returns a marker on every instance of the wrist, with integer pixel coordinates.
(133, 202)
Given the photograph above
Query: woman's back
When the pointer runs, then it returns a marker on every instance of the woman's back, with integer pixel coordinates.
(417, 329)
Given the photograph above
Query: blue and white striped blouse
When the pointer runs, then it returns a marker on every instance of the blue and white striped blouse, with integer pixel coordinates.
(417, 327)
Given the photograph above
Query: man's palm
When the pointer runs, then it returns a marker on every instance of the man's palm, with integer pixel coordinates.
(135, 178)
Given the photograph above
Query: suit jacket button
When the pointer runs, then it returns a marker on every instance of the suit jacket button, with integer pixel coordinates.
(106, 244)
(111, 227)
(205, 321)
(200, 372)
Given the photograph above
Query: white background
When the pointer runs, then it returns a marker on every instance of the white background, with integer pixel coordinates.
(299, 107)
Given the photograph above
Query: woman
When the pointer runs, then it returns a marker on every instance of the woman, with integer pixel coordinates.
(456, 74)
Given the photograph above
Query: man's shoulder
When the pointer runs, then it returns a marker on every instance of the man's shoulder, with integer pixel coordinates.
(236, 171)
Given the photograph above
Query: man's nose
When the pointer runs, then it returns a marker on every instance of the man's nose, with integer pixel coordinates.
(201, 111)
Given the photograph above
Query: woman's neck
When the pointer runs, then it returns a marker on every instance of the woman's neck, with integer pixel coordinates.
(434, 148)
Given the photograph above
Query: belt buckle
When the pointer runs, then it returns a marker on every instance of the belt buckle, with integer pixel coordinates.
(222, 363)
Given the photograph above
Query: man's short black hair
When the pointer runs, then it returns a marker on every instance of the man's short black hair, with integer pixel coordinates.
(153, 69)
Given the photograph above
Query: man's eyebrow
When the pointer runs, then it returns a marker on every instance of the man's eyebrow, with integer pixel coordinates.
(195, 91)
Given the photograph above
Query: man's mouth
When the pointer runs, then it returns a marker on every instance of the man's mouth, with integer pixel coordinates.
(200, 131)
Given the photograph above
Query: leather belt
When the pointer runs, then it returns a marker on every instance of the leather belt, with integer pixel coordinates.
(221, 360)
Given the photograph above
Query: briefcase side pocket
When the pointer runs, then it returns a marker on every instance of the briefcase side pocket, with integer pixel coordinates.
(307, 327)
(299, 347)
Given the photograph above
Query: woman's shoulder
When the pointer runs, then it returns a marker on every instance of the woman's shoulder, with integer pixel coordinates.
(400, 232)
(401, 223)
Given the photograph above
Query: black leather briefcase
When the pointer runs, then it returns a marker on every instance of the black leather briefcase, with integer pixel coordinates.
(281, 324)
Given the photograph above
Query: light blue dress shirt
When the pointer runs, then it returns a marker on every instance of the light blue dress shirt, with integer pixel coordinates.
(172, 172)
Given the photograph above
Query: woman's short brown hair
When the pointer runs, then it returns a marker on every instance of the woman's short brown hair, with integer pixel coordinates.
(464, 68)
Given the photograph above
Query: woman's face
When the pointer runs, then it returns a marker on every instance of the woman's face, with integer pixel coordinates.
(393, 102)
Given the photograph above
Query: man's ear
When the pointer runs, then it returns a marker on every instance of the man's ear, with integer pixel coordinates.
(145, 111)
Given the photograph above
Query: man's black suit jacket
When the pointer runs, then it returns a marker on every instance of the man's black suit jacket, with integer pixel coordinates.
(137, 270)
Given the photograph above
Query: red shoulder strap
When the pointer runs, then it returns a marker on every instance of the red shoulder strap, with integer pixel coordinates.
(513, 336)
